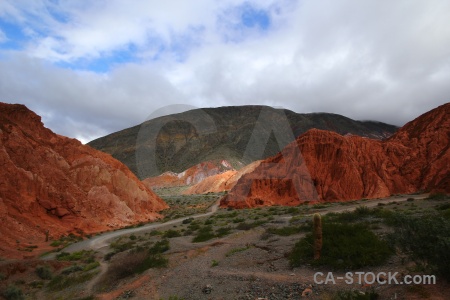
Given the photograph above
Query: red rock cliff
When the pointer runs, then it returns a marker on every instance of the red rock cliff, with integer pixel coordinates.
(50, 182)
(341, 168)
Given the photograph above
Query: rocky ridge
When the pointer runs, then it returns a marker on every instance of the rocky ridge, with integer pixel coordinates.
(55, 185)
(326, 166)
(191, 176)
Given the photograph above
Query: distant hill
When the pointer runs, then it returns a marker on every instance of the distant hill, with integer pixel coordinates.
(182, 140)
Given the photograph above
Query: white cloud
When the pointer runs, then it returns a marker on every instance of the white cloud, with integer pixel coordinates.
(366, 60)
(3, 37)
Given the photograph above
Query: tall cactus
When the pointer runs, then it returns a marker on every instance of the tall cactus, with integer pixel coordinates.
(317, 234)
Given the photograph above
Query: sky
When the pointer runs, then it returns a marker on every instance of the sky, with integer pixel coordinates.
(90, 68)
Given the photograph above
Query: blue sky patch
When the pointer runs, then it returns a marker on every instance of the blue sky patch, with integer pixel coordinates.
(235, 23)
(15, 37)
(252, 17)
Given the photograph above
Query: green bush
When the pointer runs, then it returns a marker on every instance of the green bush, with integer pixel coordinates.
(235, 250)
(83, 255)
(59, 283)
(171, 233)
(437, 196)
(355, 295)
(71, 269)
(187, 221)
(214, 263)
(44, 272)
(345, 246)
(12, 292)
(223, 231)
(248, 226)
(204, 234)
(426, 237)
(160, 247)
(288, 230)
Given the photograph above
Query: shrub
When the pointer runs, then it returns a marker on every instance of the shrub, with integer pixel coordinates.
(214, 263)
(134, 263)
(204, 234)
(12, 292)
(235, 250)
(426, 237)
(59, 283)
(223, 231)
(187, 221)
(71, 269)
(355, 295)
(84, 255)
(286, 231)
(160, 247)
(248, 226)
(344, 246)
(437, 196)
(44, 272)
(91, 266)
(171, 233)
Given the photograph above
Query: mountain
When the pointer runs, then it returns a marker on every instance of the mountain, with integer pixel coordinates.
(323, 165)
(54, 184)
(180, 141)
(191, 176)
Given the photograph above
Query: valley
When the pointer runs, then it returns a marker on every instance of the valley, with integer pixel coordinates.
(79, 224)
(243, 254)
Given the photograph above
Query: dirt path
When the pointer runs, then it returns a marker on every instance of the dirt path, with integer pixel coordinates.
(101, 242)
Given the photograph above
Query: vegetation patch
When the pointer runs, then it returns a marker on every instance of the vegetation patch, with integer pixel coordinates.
(44, 272)
(13, 292)
(344, 246)
(426, 238)
(235, 250)
(61, 282)
(86, 256)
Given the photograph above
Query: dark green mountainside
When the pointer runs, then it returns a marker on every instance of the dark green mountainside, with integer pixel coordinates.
(177, 142)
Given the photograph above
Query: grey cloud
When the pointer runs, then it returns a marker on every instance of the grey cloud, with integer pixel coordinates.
(377, 60)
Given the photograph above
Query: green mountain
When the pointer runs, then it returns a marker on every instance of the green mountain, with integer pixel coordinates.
(239, 134)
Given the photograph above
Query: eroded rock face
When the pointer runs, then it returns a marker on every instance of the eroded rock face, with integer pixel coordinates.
(50, 182)
(221, 182)
(191, 176)
(343, 168)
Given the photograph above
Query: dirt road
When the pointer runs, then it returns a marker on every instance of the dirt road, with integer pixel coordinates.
(102, 241)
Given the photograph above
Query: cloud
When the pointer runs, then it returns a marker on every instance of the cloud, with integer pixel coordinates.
(3, 37)
(91, 68)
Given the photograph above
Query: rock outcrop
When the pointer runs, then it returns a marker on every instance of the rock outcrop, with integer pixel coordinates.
(54, 183)
(325, 166)
(221, 182)
(191, 176)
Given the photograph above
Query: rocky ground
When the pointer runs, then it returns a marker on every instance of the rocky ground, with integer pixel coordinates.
(245, 263)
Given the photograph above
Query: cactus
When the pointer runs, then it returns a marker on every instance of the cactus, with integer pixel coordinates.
(317, 235)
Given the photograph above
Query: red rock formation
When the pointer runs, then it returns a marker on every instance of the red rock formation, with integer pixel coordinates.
(341, 168)
(221, 182)
(50, 182)
(191, 176)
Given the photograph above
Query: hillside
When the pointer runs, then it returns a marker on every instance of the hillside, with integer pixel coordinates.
(54, 184)
(180, 141)
(332, 167)
(193, 175)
